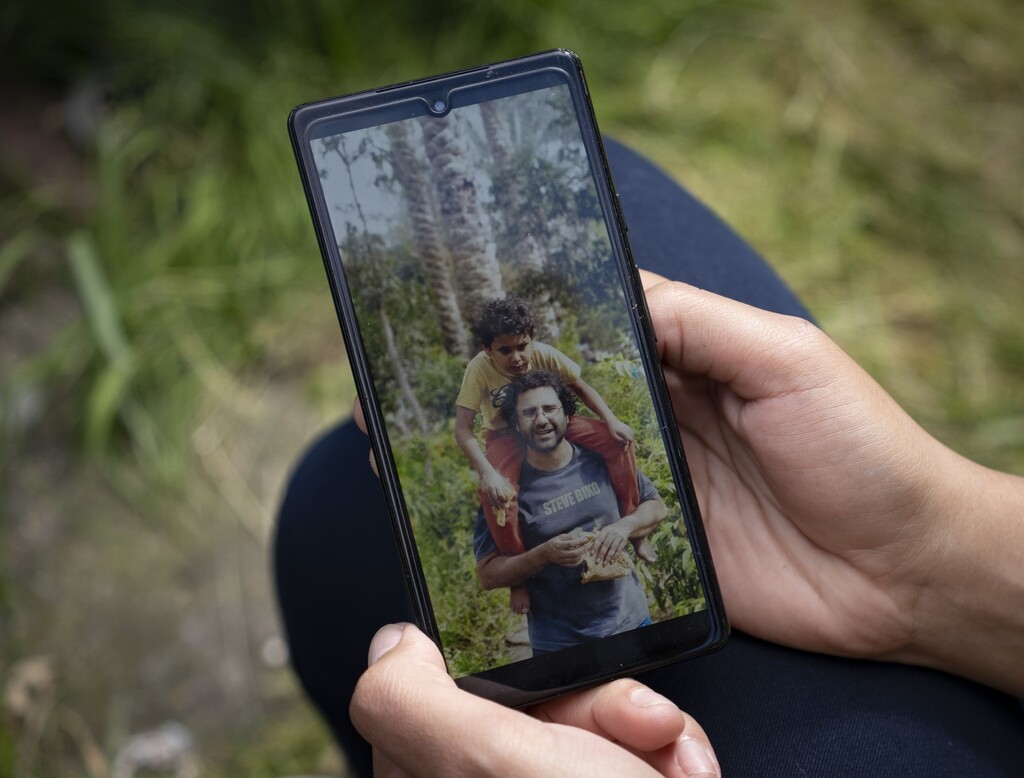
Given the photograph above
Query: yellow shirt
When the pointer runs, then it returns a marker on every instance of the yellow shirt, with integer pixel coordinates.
(483, 385)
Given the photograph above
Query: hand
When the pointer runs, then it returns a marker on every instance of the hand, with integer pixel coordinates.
(820, 495)
(565, 549)
(496, 488)
(621, 431)
(420, 723)
(360, 420)
(610, 541)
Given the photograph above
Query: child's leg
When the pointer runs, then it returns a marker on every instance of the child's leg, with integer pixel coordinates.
(519, 599)
(644, 550)
(505, 454)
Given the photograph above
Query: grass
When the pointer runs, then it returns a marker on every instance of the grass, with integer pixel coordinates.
(167, 344)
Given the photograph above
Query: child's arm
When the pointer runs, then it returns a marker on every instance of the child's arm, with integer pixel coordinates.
(589, 396)
(495, 486)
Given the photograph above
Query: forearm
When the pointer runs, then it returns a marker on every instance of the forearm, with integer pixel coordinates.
(474, 453)
(593, 400)
(969, 616)
(467, 441)
(498, 572)
(644, 519)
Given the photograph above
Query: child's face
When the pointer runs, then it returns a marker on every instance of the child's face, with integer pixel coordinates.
(511, 353)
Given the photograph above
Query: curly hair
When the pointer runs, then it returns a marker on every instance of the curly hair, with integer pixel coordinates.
(536, 379)
(510, 316)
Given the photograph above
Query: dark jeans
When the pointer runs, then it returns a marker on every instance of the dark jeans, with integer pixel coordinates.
(768, 710)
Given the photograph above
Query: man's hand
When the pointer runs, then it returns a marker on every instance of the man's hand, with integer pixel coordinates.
(565, 549)
(609, 541)
(420, 723)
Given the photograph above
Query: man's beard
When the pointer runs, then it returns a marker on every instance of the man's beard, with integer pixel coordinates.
(549, 440)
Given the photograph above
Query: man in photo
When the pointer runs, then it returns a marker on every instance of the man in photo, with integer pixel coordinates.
(571, 527)
(505, 331)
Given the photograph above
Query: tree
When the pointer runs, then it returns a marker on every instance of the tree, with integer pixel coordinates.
(362, 248)
(430, 250)
(467, 230)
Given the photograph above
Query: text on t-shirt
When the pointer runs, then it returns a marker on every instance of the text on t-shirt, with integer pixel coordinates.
(572, 497)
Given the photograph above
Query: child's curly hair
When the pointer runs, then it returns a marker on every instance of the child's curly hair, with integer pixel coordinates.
(510, 316)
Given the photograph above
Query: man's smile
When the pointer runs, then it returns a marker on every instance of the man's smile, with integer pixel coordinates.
(543, 432)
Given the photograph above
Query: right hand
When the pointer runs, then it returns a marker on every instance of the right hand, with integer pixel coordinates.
(827, 508)
(420, 723)
(496, 488)
(565, 549)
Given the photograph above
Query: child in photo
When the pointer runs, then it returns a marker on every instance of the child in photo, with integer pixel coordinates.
(505, 331)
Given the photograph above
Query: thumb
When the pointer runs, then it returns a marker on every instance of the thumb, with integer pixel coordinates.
(387, 637)
(421, 723)
(756, 352)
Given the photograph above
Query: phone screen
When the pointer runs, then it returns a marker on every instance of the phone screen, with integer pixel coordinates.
(476, 249)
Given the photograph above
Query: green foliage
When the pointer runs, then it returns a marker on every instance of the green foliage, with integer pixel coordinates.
(671, 583)
(440, 492)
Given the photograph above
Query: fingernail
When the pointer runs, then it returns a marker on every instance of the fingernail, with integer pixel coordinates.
(387, 637)
(643, 697)
(694, 759)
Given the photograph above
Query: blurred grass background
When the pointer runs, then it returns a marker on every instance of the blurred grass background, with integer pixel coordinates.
(168, 346)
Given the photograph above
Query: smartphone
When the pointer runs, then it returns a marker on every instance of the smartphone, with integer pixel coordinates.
(503, 353)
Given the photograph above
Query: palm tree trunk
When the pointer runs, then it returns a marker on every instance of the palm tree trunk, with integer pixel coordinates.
(430, 250)
(467, 230)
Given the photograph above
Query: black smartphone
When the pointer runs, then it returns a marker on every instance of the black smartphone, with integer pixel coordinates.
(505, 361)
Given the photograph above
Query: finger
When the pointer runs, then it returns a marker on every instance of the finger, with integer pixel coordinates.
(649, 278)
(641, 719)
(408, 707)
(383, 767)
(357, 414)
(758, 353)
(607, 542)
(623, 710)
(360, 420)
(613, 548)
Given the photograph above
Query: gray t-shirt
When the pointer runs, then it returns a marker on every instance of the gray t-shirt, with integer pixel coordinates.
(563, 611)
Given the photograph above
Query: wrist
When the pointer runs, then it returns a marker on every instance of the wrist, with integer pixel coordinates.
(969, 585)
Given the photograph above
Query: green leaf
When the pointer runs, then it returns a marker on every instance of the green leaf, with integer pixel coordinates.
(104, 320)
(104, 403)
(98, 300)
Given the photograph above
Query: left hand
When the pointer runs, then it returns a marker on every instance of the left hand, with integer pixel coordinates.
(420, 723)
(610, 541)
(621, 431)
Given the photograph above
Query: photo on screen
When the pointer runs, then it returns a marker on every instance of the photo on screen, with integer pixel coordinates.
(484, 224)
